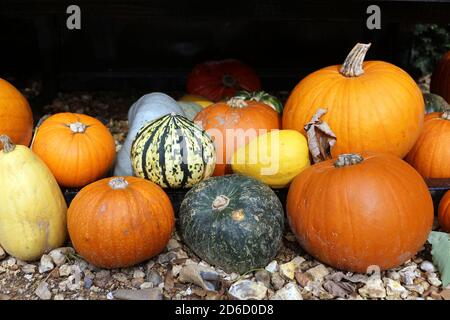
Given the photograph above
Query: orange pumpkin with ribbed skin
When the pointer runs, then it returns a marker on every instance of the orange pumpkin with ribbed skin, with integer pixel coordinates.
(16, 118)
(372, 106)
(440, 80)
(357, 211)
(431, 154)
(233, 124)
(119, 222)
(444, 212)
(77, 148)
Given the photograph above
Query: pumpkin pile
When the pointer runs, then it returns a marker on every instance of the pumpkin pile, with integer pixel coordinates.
(337, 145)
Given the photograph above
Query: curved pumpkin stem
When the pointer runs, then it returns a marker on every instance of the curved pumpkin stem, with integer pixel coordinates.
(77, 127)
(237, 102)
(348, 159)
(446, 115)
(118, 183)
(8, 145)
(353, 64)
(220, 203)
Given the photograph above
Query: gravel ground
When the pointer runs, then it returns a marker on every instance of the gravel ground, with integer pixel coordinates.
(178, 274)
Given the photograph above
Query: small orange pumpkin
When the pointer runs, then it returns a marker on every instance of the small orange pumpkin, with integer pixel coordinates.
(444, 212)
(371, 106)
(359, 211)
(440, 80)
(119, 222)
(77, 148)
(233, 124)
(431, 154)
(16, 118)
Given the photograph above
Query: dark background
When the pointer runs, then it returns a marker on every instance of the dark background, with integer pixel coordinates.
(152, 45)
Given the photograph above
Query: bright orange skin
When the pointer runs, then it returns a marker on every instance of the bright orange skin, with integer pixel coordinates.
(75, 159)
(380, 111)
(444, 212)
(378, 212)
(16, 118)
(440, 80)
(219, 117)
(431, 153)
(122, 227)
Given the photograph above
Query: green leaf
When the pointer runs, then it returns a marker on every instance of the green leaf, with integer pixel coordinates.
(440, 242)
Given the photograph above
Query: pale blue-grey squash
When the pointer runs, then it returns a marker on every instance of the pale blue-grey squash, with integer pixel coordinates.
(148, 108)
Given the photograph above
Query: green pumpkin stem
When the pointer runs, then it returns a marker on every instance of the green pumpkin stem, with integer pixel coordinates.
(77, 127)
(237, 102)
(118, 183)
(220, 203)
(348, 159)
(353, 64)
(7, 143)
(446, 115)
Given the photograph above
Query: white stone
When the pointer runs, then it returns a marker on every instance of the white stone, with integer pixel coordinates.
(46, 264)
(318, 272)
(64, 270)
(173, 244)
(138, 274)
(176, 269)
(394, 288)
(29, 268)
(146, 285)
(427, 266)
(43, 292)
(272, 267)
(374, 288)
(58, 297)
(8, 263)
(433, 279)
(288, 292)
(59, 255)
(287, 270)
(408, 274)
(248, 290)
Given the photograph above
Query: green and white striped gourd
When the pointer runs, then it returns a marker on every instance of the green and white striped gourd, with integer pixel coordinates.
(173, 152)
(262, 96)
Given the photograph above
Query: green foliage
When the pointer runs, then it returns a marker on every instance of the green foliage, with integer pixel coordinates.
(431, 41)
(441, 254)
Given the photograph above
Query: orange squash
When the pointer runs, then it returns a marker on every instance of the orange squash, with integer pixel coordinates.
(372, 106)
(121, 221)
(16, 118)
(360, 210)
(77, 148)
(440, 80)
(431, 154)
(444, 212)
(233, 124)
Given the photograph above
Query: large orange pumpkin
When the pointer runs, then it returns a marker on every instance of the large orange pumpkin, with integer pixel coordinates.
(77, 148)
(440, 80)
(233, 124)
(372, 106)
(431, 153)
(121, 221)
(444, 212)
(360, 210)
(16, 118)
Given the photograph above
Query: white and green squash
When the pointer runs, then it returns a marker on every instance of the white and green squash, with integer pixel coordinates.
(262, 96)
(233, 222)
(148, 108)
(190, 109)
(434, 103)
(173, 152)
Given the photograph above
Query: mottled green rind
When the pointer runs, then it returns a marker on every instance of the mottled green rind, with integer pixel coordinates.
(190, 109)
(440, 251)
(234, 246)
(434, 103)
(262, 96)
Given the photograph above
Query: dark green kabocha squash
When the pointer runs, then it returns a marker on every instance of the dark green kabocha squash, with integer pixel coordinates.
(434, 103)
(233, 222)
(173, 152)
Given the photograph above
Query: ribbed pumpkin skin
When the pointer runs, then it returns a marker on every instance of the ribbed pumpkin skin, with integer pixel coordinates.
(380, 111)
(245, 235)
(440, 80)
(217, 80)
(226, 125)
(122, 227)
(75, 159)
(444, 212)
(33, 210)
(378, 212)
(431, 153)
(173, 152)
(16, 118)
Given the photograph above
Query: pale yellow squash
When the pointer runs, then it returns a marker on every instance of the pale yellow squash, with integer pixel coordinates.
(203, 102)
(32, 207)
(274, 158)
